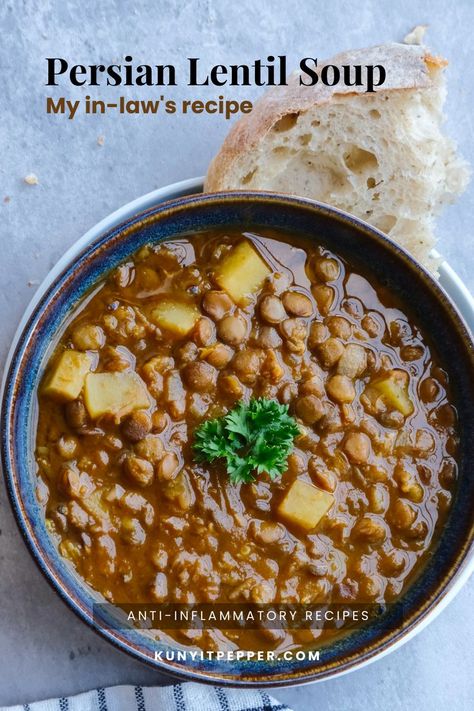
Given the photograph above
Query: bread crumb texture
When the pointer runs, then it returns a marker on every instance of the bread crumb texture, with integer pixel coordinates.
(417, 35)
(31, 179)
(382, 157)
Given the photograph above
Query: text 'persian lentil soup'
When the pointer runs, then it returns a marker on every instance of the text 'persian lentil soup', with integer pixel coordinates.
(244, 418)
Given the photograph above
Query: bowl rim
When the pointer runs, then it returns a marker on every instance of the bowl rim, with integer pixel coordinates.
(117, 222)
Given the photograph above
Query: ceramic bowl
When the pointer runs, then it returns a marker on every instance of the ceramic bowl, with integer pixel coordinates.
(361, 245)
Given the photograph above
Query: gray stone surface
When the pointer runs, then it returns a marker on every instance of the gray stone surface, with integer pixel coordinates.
(44, 649)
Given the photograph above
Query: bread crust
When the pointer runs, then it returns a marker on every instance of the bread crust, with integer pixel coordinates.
(408, 68)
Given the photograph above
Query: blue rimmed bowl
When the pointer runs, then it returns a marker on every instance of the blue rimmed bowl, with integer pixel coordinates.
(452, 559)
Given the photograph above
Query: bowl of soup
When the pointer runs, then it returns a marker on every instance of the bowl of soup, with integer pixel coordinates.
(238, 440)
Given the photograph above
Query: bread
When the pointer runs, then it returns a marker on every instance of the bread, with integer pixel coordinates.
(379, 156)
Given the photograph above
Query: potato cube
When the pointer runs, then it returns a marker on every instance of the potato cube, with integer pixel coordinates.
(305, 504)
(115, 394)
(242, 272)
(394, 391)
(175, 316)
(67, 379)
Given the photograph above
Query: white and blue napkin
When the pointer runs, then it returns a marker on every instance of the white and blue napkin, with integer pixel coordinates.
(179, 697)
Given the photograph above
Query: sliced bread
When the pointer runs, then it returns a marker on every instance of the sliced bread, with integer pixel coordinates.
(381, 156)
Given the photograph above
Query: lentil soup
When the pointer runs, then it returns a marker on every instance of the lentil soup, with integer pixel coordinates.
(182, 333)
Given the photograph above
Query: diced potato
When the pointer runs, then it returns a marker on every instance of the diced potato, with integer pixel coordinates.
(67, 379)
(175, 316)
(115, 394)
(305, 504)
(394, 391)
(242, 272)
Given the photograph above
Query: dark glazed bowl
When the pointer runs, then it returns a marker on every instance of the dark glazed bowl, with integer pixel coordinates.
(363, 246)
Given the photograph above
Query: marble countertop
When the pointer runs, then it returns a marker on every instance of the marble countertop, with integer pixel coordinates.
(45, 649)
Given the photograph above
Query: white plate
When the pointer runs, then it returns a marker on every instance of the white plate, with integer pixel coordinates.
(450, 281)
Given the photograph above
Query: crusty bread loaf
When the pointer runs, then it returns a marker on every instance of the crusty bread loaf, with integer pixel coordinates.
(379, 156)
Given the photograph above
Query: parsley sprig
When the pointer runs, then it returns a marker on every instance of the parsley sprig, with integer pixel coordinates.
(252, 438)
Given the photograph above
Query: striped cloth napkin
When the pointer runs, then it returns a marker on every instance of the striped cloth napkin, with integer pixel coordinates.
(179, 697)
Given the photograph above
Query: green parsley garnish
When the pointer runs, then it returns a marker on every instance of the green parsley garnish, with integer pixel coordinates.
(252, 438)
